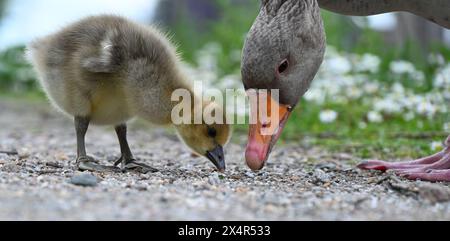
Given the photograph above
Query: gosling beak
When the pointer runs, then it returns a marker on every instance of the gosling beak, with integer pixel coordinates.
(217, 157)
(263, 136)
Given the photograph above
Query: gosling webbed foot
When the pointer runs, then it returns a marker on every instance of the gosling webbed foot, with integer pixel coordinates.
(130, 164)
(86, 163)
(140, 167)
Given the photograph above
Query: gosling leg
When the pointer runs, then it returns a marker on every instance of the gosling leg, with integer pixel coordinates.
(127, 161)
(84, 162)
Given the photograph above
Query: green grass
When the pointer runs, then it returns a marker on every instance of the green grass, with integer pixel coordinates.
(394, 137)
(32, 96)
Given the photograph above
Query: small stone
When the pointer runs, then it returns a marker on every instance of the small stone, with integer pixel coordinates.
(214, 179)
(3, 157)
(372, 180)
(62, 156)
(326, 165)
(141, 188)
(24, 153)
(295, 178)
(84, 180)
(250, 174)
(263, 174)
(320, 176)
(242, 190)
(54, 165)
(236, 177)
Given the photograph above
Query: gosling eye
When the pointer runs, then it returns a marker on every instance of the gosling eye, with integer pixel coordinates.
(283, 66)
(212, 132)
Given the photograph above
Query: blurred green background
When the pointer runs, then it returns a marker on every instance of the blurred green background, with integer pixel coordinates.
(381, 94)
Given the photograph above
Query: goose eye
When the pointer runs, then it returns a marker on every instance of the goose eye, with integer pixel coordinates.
(212, 132)
(283, 66)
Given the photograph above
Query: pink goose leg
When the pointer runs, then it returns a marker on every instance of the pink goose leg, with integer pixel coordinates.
(432, 168)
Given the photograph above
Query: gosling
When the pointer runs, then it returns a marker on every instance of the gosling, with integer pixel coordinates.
(106, 70)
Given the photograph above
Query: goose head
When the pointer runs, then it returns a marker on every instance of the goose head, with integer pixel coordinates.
(283, 51)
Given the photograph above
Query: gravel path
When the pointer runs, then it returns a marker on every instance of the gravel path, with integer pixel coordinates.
(298, 184)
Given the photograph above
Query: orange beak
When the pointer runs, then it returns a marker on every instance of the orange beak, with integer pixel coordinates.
(266, 131)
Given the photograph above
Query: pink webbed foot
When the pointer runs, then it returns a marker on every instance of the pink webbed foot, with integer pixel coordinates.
(432, 168)
(432, 176)
(438, 171)
(383, 166)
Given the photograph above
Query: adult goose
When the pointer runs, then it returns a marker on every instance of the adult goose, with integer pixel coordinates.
(284, 50)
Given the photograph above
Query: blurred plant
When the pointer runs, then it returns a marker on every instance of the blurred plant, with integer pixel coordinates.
(228, 31)
(2, 7)
(15, 73)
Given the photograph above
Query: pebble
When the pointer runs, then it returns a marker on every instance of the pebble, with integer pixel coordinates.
(214, 179)
(141, 188)
(326, 165)
(24, 153)
(250, 174)
(4, 157)
(263, 174)
(84, 180)
(321, 176)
